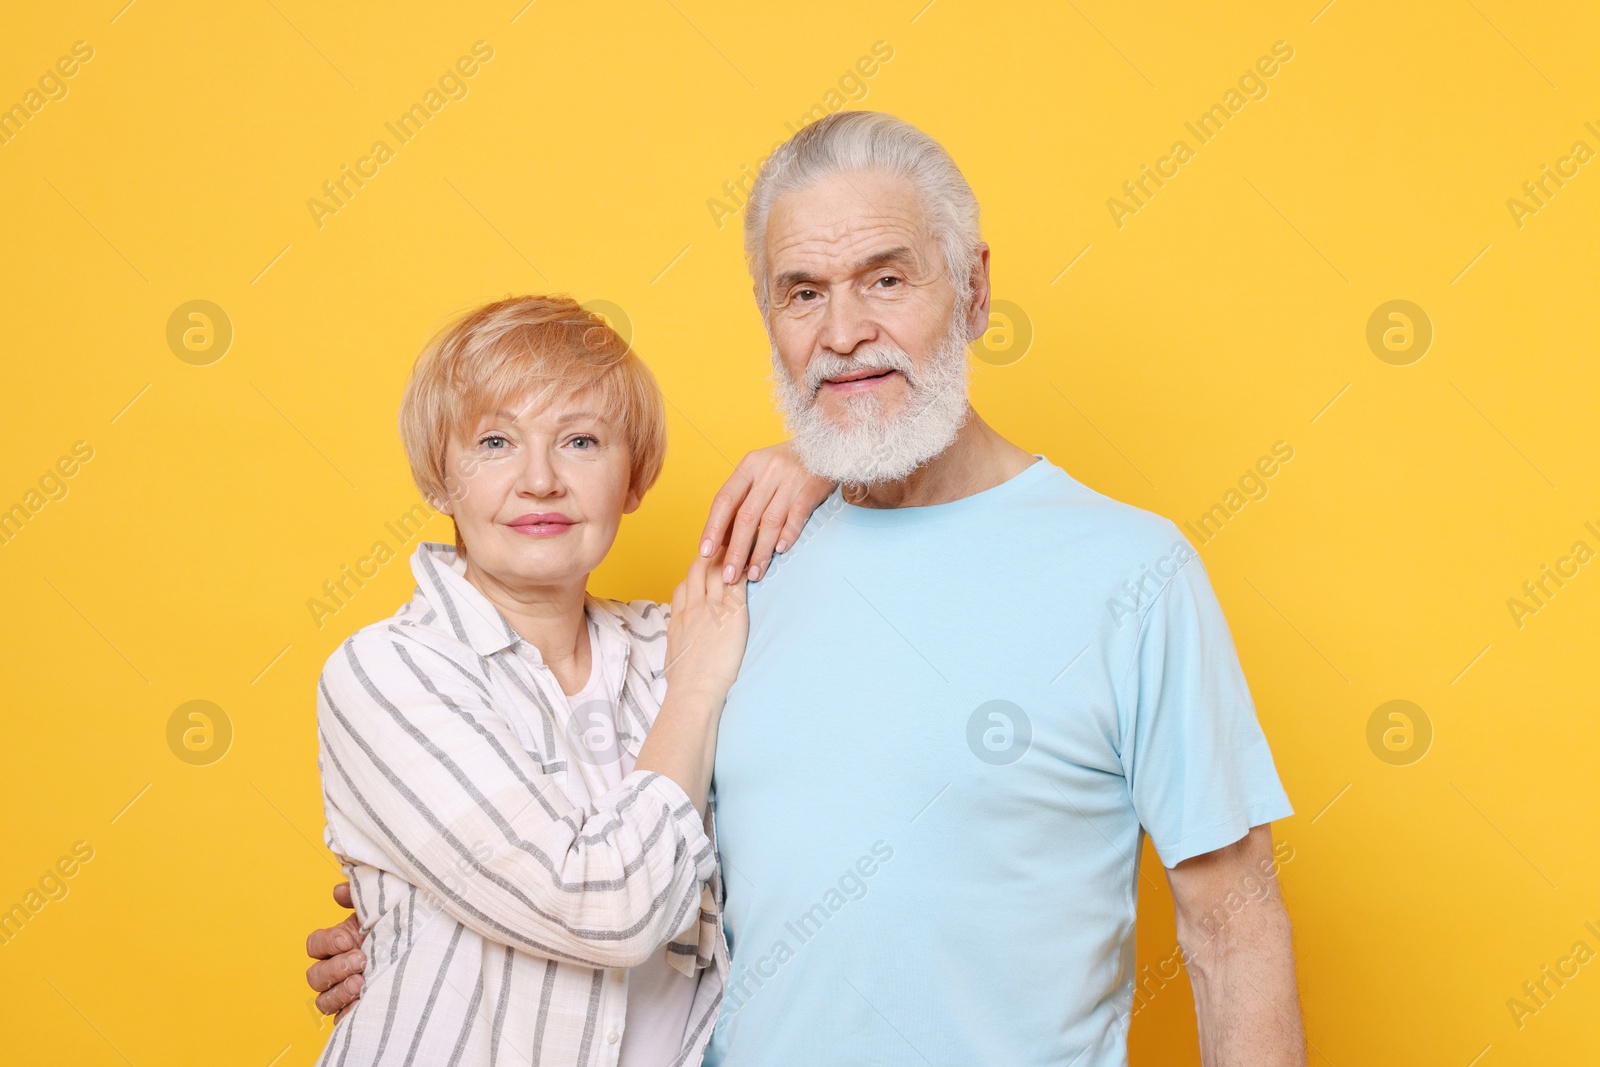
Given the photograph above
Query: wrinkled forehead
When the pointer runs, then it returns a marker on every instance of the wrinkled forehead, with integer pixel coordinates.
(843, 218)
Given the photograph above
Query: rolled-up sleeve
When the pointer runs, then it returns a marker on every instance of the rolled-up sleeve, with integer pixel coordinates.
(417, 760)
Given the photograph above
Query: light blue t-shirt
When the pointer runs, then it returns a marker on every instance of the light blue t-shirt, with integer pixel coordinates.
(953, 726)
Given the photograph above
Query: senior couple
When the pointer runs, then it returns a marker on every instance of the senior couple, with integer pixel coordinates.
(935, 751)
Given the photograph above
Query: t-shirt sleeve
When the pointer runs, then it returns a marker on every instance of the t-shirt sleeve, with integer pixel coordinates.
(1198, 768)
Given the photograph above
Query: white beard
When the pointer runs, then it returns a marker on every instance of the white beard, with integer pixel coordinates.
(871, 449)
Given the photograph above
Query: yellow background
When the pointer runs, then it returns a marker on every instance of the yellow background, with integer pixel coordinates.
(1229, 313)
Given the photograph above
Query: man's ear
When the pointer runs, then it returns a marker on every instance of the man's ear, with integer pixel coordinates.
(978, 310)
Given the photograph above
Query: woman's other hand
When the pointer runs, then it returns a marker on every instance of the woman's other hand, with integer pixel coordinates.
(707, 632)
(761, 508)
(705, 644)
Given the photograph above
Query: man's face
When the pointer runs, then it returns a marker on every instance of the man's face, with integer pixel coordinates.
(869, 348)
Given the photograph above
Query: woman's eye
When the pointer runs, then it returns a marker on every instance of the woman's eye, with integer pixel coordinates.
(584, 442)
(484, 442)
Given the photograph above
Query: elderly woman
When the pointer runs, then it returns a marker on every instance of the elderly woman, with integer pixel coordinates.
(514, 771)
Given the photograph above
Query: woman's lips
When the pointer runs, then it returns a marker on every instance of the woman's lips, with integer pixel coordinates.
(541, 525)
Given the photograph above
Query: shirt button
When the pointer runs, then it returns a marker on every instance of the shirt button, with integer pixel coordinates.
(611, 1038)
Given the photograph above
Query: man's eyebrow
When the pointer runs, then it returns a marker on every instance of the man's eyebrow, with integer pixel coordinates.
(792, 277)
(897, 254)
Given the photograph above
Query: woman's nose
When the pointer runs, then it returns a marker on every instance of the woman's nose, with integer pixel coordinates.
(538, 475)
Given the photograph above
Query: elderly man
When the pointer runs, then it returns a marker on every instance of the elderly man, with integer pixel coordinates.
(971, 688)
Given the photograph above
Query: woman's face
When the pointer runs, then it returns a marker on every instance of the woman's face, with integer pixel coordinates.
(538, 495)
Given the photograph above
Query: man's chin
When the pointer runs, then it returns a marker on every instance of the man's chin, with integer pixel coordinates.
(864, 461)
(859, 412)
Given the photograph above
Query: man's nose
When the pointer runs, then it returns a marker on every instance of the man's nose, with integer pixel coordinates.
(846, 323)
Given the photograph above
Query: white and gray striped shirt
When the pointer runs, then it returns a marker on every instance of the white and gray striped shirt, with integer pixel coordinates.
(502, 889)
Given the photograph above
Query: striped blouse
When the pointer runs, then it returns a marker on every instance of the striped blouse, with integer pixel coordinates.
(502, 891)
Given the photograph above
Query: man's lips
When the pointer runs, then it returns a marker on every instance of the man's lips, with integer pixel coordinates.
(860, 379)
(541, 524)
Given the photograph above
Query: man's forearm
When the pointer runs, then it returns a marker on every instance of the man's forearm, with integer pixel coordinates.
(1245, 996)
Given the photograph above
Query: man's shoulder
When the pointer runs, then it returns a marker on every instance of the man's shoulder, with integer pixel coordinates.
(1109, 528)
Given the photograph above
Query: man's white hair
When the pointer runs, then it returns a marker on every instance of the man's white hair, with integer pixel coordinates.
(851, 141)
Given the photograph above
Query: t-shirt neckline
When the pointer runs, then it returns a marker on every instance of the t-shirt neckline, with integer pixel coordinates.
(860, 516)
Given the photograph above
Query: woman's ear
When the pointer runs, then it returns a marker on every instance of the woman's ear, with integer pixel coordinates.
(631, 502)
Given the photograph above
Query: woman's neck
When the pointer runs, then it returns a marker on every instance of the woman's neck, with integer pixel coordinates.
(549, 617)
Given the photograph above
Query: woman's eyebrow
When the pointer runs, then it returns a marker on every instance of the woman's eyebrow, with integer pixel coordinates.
(565, 416)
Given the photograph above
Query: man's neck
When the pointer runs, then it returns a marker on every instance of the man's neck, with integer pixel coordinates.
(978, 459)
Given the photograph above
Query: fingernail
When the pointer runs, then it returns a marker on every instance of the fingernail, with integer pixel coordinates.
(755, 572)
(358, 961)
(705, 547)
(783, 546)
(728, 573)
(354, 982)
(342, 943)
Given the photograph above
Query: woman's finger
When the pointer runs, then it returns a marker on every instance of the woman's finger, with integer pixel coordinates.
(694, 583)
(726, 503)
(807, 498)
(724, 598)
(747, 523)
(735, 594)
(799, 513)
(770, 531)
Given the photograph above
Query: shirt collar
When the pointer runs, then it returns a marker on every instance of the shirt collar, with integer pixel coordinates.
(441, 578)
(472, 617)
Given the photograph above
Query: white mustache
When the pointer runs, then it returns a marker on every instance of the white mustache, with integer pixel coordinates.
(877, 358)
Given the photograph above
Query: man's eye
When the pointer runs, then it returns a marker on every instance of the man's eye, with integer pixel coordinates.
(805, 295)
(888, 281)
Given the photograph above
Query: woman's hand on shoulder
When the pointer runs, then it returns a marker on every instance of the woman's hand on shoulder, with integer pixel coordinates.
(761, 509)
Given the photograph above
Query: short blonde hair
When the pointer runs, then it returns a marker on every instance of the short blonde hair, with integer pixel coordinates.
(533, 347)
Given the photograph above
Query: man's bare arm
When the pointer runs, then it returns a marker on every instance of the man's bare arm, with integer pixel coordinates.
(1237, 945)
